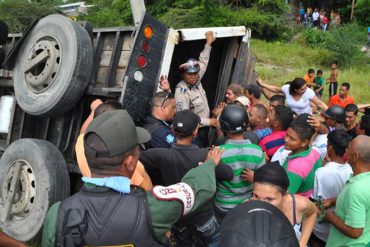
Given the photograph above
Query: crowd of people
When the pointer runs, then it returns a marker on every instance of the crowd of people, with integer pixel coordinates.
(320, 19)
(165, 184)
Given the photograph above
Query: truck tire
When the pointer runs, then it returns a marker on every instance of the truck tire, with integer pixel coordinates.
(53, 67)
(3, 32)
(43, 180)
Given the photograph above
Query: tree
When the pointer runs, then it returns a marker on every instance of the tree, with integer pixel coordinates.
(18, 14)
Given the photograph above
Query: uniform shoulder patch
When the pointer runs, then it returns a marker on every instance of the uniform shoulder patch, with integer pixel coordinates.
(183, 90)
(179, 106)
(170, 138)
(181, 192)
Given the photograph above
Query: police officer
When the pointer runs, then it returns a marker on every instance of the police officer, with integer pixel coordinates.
(107, 210)
(159, 121)
(189, 92)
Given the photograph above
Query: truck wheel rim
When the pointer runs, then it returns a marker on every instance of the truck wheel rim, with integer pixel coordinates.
(42, 64)
(25, 192)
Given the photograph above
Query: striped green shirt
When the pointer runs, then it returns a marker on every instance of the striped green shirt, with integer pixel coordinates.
(239, 155)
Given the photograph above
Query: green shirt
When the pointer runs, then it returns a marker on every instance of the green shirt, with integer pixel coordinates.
(318, 83)
(163, 213)
(238, 155)
(353, 207)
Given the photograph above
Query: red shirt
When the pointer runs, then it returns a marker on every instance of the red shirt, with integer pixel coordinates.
(271, 143)
(336, 100)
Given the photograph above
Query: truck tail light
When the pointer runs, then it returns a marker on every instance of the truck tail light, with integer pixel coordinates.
(141, 61)
(148, 32)
(145, 46)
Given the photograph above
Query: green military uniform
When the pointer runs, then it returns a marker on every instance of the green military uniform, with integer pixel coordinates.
(163, 213)
(193, 96)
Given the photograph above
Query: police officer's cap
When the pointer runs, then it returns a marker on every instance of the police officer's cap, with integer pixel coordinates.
(233, 119)
(191, 66)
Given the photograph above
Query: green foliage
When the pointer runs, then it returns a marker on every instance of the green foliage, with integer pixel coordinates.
(189, 14)
(345, 43)
(362, 12)
(18, 14)
(109, 13)
(272, 6)
(315, 38)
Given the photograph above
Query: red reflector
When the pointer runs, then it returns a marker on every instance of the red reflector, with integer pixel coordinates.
(141, 61)
(145, 46)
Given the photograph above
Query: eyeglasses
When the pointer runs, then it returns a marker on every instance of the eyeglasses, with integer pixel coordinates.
(167, 96)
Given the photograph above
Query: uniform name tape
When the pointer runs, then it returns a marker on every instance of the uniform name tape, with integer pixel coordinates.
(180, 192)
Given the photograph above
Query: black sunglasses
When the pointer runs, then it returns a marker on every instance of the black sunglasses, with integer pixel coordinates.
(168, 96)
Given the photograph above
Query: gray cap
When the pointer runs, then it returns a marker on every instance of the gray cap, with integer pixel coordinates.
(118, 132)
(253, 89)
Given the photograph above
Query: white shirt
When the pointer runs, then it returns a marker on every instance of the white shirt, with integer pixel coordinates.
(329, 182)
(303, 104)
(320, 144)
(315, 16)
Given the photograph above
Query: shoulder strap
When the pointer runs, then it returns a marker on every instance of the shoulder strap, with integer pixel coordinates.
(294, 210)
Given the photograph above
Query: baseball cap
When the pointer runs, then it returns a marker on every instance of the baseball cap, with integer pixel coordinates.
(257, 223)
(185, 122)
(335, 112)
(254, 89)
(118, 132)
(243, 100)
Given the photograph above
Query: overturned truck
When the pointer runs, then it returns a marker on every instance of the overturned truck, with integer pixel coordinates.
(58, 67)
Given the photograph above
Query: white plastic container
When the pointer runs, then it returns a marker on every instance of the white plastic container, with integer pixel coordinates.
(6, 109)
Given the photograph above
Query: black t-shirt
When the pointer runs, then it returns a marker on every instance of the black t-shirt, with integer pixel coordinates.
(352, 132)
(169, 165)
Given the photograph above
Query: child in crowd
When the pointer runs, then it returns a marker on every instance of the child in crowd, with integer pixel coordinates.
(309, 78)
(319, 83)
(242, 156)
(303, 161)
(333, 79)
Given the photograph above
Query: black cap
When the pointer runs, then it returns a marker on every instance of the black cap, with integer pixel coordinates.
(185, 122)
(272, 173)
(335, 112)
(253, 89)
(118, 132)
(257, 223)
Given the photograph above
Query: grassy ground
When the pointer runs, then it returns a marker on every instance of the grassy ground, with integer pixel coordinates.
(280, 62)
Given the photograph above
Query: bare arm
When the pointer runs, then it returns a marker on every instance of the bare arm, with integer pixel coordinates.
(341, 226)
(272, 88)
(319, 103)
(308, 222)
(5, 240)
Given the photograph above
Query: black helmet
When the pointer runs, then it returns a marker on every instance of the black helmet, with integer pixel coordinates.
(191, 66)
(257, 223)
(335, 112)
(233, 119)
